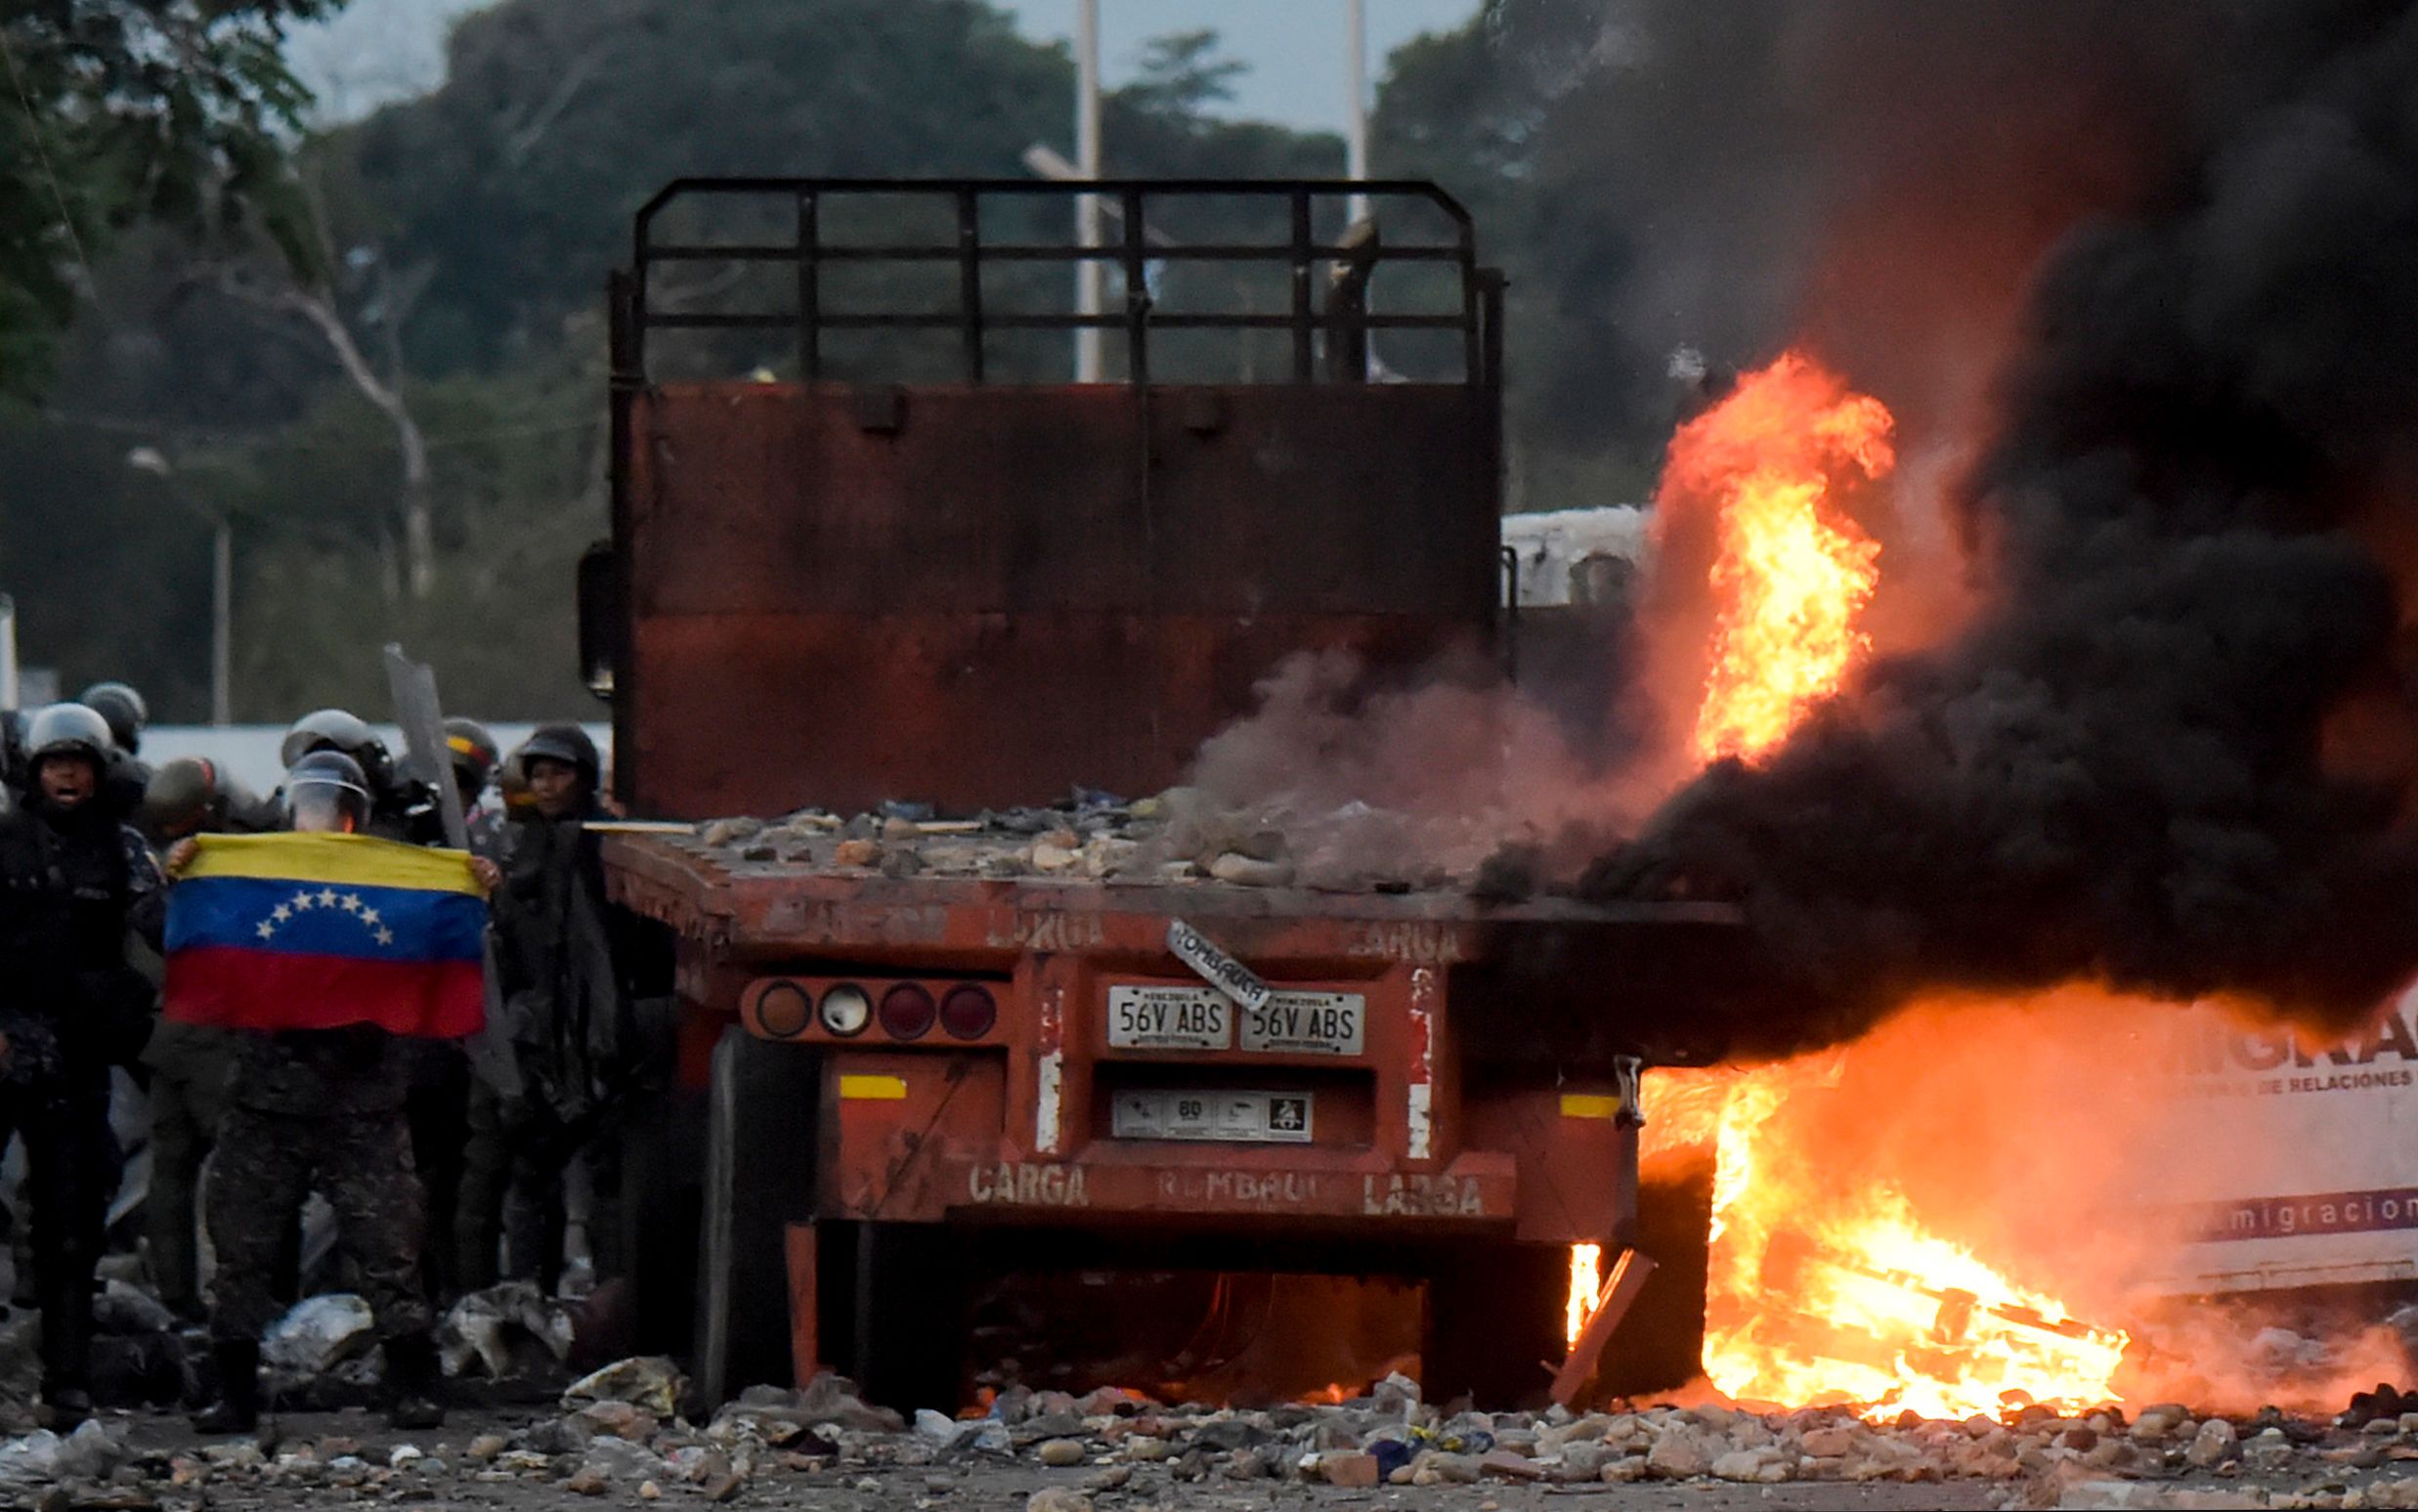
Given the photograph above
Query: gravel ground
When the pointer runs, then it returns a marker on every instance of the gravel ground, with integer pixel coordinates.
(615, 1440)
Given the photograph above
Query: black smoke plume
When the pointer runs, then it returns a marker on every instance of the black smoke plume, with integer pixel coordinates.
(2133, 765)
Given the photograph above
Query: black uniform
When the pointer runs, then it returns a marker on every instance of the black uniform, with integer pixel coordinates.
(72, 885)
(571, 967)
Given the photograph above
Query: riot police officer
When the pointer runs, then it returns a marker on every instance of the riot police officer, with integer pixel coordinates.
(573, 968)
(399, 808)
(74, 883)
(127, 716)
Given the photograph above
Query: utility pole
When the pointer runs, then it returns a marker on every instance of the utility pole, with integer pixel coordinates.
(1088, 280)
(1356, 120)
(151, 460)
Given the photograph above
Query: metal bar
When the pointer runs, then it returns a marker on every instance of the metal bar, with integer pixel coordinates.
(1136, 293)
(970, 280)
(1343, 188)
(1511, 615)
(809, 281)
(950, 321)
(1304, 306)
(806, 1343)
(1612, 1304)
(1042, 251)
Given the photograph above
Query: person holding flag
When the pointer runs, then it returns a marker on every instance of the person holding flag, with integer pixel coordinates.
(330, 952)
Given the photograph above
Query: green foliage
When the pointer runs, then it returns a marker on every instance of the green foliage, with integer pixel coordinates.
(468, 233)
(118, 110)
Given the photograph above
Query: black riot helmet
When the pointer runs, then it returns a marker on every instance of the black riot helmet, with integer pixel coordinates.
(124, 709)
(68, 729)
(473, 752)
(567, 744)
(327, 790)
(327, 729)
(334, 729)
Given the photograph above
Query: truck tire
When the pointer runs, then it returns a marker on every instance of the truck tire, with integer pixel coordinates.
(761, 1149)
(909, 1302)
(1494, 1323)
(1661, 1344)
(661, 1151)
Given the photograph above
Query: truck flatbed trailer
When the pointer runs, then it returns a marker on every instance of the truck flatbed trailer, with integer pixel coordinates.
(868, 543)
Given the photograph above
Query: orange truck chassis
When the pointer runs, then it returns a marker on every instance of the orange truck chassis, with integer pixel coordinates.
(1031, 1053)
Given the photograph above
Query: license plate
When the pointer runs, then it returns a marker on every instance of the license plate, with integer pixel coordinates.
(1307, 1023)
(1236, 1117)
(1170, 1018)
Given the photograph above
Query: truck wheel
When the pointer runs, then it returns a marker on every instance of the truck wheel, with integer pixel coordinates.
(1493, 1325)
(1661, 1344)
(909, 1327)
(762, 1145)
(662, 1150)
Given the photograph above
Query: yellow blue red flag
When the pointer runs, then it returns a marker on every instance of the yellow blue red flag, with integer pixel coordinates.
(318, 930)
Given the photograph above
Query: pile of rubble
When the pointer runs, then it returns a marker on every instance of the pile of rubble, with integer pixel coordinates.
(621, 1432)
(1180, 835)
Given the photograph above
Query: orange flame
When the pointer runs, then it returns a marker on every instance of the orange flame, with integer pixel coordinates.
(1586, 1284)
(1829, 1293)
(1793, 573)
(1821, 1290)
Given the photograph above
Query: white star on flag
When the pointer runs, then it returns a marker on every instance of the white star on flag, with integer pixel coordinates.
(326, 898)
(386, 936)
(268, 931)
(370, 916)
(352, 903)
(280, 913)
(302, 902)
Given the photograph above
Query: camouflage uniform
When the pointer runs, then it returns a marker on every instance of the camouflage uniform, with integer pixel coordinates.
(189, 1066)
(318, 1108)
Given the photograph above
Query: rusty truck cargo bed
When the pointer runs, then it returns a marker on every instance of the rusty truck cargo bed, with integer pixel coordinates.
(1586, 982)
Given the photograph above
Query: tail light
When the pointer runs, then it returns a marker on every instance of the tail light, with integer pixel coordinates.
(907, 1011)
(845, 1010)
(968, 1012)
(783, 1011)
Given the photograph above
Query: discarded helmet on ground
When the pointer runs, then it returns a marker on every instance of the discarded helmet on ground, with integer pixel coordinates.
(68, 729)
(127, 714)
(327, 790)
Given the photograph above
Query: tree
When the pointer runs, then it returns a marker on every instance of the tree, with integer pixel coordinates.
(119, 110)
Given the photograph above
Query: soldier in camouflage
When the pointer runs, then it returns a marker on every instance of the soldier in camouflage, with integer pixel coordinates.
(192, 1064)
(323, 1108)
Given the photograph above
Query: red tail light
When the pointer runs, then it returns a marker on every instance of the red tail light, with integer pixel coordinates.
(907, 1011)
(968, 1012)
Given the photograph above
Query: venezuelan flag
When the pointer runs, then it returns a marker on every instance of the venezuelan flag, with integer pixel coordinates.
(314, 931)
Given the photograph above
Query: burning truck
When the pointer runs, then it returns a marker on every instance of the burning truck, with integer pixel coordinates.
(980, 1036)
(1926, 810)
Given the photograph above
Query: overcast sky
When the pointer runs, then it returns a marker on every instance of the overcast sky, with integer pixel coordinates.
(377, 50)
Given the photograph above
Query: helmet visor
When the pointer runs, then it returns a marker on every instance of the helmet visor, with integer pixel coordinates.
(316, 804)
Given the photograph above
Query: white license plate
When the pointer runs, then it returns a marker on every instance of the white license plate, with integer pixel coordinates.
(1170, 1018)
(1240, 1117)
(1307, 1023)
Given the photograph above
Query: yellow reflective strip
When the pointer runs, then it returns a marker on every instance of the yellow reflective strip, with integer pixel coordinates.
(1589, 1104)
(872, 1089)
(336, 860)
